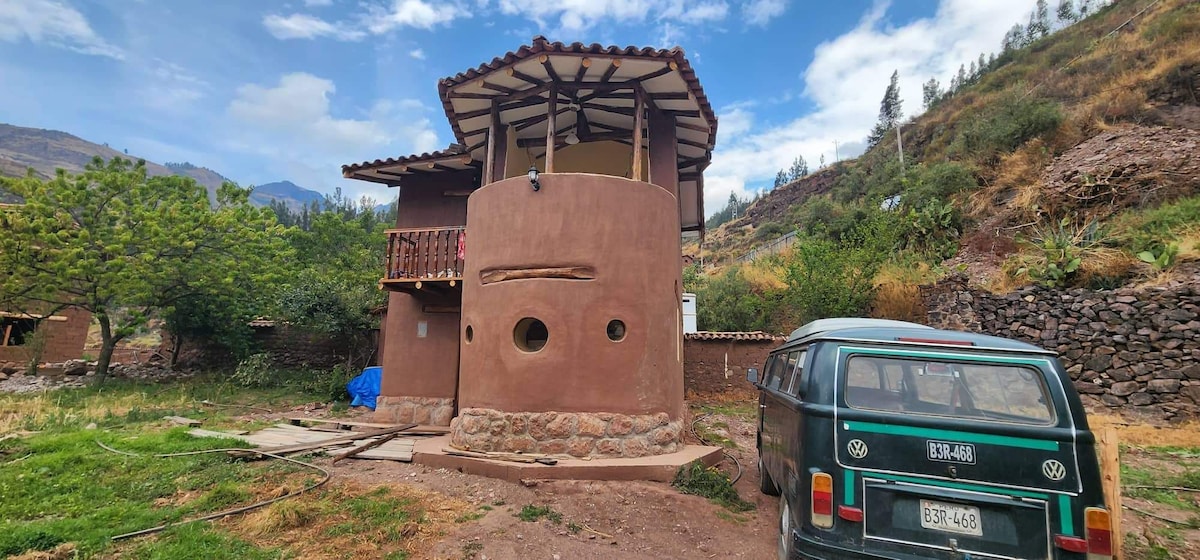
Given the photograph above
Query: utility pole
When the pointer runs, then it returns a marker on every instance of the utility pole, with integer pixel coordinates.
(836, 158)
(899, 144)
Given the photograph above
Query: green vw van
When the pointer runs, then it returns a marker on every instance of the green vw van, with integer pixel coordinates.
(887, 439)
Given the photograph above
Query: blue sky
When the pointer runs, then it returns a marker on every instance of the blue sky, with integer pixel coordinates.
(265, 91)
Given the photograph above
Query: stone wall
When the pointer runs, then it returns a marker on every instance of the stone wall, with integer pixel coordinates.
(414, 410)
(579, 434)
(1132, 350)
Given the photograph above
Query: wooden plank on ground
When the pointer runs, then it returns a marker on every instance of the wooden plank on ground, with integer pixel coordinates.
(300, 419)
(308, 446)
(363, 447)
(183, 421)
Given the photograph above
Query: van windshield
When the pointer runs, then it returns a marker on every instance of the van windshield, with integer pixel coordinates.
(967, 390)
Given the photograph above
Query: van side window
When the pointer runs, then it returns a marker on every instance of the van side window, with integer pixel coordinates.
(867, 386)
(798, 378)
(775, 376)
(789, 373)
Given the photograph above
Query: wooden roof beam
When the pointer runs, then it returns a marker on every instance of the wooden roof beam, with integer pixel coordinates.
(545, 60)
(513, 72)
(670, 67)
(584, 64)
(613, 65)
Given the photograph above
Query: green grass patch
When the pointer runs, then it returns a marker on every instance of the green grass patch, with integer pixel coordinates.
(745, 410)
(534, 513)
(709, 482)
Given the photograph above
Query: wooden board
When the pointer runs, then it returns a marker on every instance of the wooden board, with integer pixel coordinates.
(183, 421)
(198, 432)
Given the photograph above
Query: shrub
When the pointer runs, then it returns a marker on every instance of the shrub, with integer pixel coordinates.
(254, 371)
(934, 229)
(729, 303)
(938, 181)
(1069, 254)
(1003, 126)
(696, 479)
(833, 278)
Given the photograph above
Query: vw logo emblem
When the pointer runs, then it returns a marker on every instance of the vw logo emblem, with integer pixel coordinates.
(857, 448)
(1054, 470)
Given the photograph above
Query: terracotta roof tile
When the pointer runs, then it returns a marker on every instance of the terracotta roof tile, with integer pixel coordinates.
(755, 336)
(451, 150)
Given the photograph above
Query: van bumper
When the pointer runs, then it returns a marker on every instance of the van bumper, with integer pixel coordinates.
(805, 548)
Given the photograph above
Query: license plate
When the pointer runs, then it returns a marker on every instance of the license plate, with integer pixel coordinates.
(948, 452)
(951, 518)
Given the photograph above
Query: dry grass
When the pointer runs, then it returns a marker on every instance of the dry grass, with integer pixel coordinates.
(327, 524)
(1146, 435)
(55, 407)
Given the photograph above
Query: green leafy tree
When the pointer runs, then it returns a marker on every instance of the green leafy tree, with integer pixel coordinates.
(1042, 12)
(1066, 12)
(931, 92)
(798, 170)
(890, 111)
(781, 179)
(127, 247)
(834, 278)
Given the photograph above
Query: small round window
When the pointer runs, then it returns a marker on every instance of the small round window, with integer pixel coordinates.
(616, 330)
(530, 334)
(470, 334)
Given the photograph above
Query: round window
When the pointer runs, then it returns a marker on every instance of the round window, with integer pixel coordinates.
(470, 334)
(530, 334)
(616, 330)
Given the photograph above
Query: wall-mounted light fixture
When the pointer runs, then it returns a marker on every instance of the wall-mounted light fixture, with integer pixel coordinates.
(533, 178)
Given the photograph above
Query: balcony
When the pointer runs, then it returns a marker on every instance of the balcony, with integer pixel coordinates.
(425, 259)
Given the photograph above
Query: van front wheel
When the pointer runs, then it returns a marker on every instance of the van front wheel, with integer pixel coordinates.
(765, 484)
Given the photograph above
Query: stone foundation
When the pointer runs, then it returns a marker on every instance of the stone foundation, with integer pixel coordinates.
(428, 411)
(580, 434)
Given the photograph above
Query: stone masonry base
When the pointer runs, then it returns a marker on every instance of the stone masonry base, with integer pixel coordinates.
(429, 411)
(580, 434)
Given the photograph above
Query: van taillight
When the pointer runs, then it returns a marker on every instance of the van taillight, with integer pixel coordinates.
(1098, 530)
(822, 500)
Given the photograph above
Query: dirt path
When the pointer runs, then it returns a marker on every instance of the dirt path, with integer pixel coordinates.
(600, 519)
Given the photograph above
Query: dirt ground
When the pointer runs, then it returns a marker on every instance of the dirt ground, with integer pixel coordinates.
(628, 520)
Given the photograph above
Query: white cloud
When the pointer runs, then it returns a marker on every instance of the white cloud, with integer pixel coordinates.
(760, 12)
(303, 26)
(412, 13)
(291, 125)
(845, 82)
(575, 16)
(378, 20)
(169, 86)
(418, 54)
(52, 23)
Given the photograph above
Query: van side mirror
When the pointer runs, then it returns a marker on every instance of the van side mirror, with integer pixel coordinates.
(752, 375)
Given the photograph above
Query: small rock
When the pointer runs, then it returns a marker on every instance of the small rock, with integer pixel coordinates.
(90, 426)
(528, 483)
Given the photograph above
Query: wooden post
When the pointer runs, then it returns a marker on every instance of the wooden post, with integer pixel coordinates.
(550, 127)
(489, 164)
(1110, 471)
(639, 121)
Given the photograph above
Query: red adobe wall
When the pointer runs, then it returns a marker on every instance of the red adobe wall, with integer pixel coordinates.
(64, 339)
(628, 232)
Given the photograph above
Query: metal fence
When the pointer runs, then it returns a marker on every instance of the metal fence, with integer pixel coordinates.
(777, 245)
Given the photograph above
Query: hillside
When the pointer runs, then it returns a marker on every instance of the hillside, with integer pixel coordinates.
(1095, 119)
(45, 151)
(287, 192)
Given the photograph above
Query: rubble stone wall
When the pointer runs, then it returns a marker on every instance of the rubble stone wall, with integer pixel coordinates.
(579, 434)
(430, 411)
(1133, 350)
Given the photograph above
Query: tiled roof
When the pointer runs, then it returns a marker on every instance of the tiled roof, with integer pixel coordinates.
(450, 151)
(755, 336)
(261, 323)
(541, 45)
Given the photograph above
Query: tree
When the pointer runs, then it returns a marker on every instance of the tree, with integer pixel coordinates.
(799, 169)
(963, 79)
(781, 178)
(982, 66)
(127, 247)
(1014, 38)
(890, 111)
(821, 165)
(931, 92)
(1066, 12)
(1043, 18)
(1085, 7)
(973, 73)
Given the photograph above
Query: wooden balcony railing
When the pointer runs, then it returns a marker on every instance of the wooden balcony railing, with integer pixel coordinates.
(420, 254)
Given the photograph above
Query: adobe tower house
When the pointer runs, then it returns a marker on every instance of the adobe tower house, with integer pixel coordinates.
(534, 275)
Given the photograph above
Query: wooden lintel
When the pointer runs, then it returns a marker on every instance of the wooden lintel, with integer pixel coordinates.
(458, 192)
(492, 276)
(627, 111)
(441, 309)
(476, 145)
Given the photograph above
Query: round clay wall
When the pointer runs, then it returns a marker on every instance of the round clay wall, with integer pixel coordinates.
(622, 234)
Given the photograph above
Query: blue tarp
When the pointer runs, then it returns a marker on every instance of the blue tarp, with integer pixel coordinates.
(364, 388)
